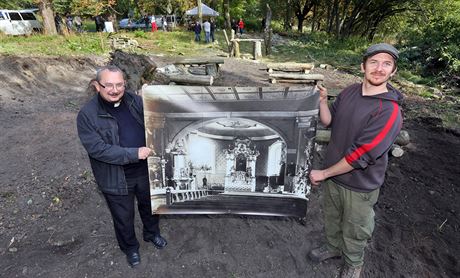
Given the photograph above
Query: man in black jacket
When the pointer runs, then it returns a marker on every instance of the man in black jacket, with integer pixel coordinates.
(111, 128)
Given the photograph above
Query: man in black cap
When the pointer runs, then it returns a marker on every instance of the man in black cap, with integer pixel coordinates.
(365, 119)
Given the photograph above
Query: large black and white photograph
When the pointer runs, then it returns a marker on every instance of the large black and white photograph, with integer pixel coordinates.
(230, 150)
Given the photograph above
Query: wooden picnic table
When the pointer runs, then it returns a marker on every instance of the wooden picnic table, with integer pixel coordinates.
(211, 64)
(256, 47)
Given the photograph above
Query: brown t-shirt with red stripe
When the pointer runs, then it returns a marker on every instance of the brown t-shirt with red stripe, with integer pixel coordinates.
(363, 128)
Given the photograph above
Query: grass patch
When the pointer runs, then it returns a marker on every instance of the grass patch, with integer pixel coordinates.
(417, 79)
(80, 44)
(320, 48)
(89, 43)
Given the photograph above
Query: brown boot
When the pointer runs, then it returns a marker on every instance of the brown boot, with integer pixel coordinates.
(323, 253)
(349, 271)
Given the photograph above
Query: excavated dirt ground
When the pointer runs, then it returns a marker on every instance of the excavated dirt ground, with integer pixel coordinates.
(54, 223)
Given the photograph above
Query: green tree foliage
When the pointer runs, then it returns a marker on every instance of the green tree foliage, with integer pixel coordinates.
(431, 42)
(17, 4)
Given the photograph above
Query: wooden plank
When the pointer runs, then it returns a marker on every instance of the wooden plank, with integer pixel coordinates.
(292, 81)
(306, 71)
(206, 80)
(297, 76)
(200, 61)
(248, 40)
(290, 66)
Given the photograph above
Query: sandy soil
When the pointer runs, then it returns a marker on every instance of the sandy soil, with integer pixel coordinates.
(54, 223)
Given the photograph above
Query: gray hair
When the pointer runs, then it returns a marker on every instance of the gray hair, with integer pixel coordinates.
(111, 68)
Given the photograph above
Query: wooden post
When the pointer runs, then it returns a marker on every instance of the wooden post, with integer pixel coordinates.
(232, 37)
(229, 45)
(257, 49)
(236, 48)
(211, 69)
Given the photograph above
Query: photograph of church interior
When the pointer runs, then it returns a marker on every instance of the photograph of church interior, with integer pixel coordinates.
(230, 149)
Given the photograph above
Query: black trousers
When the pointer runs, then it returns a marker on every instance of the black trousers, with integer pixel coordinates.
(122, 210)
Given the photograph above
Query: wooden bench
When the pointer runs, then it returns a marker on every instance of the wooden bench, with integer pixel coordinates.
(290, 67)
(211, 64)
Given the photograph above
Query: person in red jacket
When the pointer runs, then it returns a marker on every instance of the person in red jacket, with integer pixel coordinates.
(154, 23)
(241, 26)
(365, 120)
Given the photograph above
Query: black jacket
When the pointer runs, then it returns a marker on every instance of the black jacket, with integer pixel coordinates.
(98, 132)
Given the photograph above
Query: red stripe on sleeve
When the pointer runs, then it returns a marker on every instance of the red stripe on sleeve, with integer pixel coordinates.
(367, 147)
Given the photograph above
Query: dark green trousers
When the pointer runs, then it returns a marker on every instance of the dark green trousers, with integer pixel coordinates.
(348, 220)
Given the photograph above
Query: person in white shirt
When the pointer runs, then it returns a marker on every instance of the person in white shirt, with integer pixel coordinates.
(207, 31)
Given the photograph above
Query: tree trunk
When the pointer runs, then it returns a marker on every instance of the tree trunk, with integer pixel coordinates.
(227, 24)
(47, 13)
(336, 18)
(200, 12)
(313, 20)
(268, 31)
(300, 19)
(344, 14)
(288, 16)
(329, 18)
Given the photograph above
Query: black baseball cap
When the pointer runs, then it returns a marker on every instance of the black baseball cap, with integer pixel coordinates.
(381, 48)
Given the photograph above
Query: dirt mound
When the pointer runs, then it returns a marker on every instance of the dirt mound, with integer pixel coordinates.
(34, 81)
(53, 223)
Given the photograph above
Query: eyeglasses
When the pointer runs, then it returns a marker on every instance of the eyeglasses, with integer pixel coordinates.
(110, 86)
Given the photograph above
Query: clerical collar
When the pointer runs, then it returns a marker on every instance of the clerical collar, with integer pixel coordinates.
(110, 104)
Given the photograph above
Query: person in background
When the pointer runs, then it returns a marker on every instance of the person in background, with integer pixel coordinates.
(154, 23)
(207, 31)
(146, 20)
(69, 22)
(365, 120)
(78, 24)
(213, 29)
(99, 23)
(111, 129)
(164, 24)
(58, 23)
(241, 26)
(235, 26)
(197, 30)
